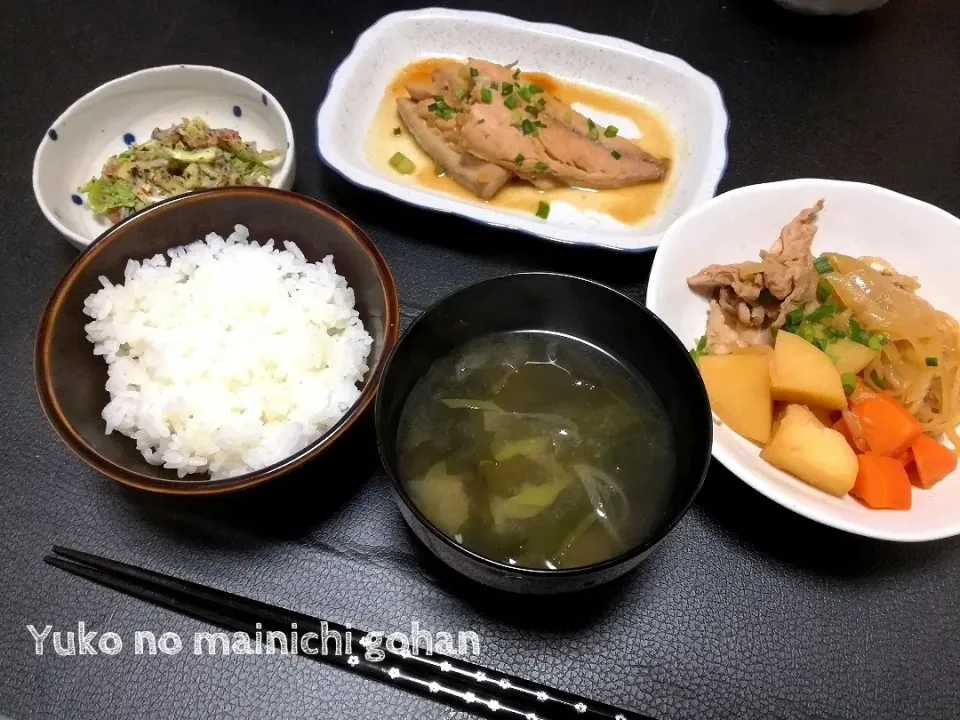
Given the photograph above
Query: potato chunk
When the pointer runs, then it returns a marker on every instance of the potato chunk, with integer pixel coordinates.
(442, 497)
(802, 373)
(739, 390)
(849, 356)
(818, 455)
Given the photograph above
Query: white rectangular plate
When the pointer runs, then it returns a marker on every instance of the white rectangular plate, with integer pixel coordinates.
(689, 101)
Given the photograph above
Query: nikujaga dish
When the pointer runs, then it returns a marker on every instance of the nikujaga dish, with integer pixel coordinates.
(835, 366)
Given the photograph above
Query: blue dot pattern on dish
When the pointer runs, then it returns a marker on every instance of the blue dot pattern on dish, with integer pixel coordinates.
(77, 200)
(129, 139)
(52, 133)
(263, 98)
(237, 111)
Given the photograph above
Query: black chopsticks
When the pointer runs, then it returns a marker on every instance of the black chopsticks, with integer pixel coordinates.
(458, 683)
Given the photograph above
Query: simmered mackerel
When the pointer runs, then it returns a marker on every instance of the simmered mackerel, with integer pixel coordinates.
(484, 123)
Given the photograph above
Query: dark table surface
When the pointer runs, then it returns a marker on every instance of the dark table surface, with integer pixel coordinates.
(746, 610)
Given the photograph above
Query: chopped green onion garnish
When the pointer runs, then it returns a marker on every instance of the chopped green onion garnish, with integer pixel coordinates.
(396, 131)
(402, 164)
(540, 166)
(511, 102)
(519, 159)
(822, 265)
(539, 123)
(826, 310)
(616, 155)
(820, 343)
(474, 72)
(833, 334)
(524, 93)
(849, 382)
(438, 98)
(516, 73)
(932, 361)
(441, 109)
(793, 319)
(532, 110)
(543, 209)
(461, 93)
(506, 88)
(541, 103)
(700, 349)
(877, 380)
(592, 130)
(611, 131)
(534, 88)
(486, 95)
(495, 85)
(527, 127)
(807, 332)
(857, 333)
(824, 290)
(877, 341)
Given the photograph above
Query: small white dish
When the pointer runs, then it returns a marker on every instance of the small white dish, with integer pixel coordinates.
(831, 7)
(689, 101)
(858, 219)
(103, 122)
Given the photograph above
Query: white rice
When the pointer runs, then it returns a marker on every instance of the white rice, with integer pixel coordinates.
(229, 357)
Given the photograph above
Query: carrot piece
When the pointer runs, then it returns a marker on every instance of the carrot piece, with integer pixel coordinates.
(934, 461)
(882, 483)
(913, 476)
(887, 426)
(905, 458)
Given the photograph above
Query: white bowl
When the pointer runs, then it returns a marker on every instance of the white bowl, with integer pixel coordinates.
(100, 123)
(831, 7)
(857, 219)
(689, 101)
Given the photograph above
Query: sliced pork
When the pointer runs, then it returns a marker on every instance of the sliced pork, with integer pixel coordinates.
(757, 294)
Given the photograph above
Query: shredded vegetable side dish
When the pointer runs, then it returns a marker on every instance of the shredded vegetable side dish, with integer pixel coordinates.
(183, 157)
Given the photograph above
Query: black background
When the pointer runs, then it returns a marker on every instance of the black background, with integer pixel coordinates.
(746, 610)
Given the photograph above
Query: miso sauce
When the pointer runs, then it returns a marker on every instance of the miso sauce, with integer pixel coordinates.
(629, 205)
(537, 450)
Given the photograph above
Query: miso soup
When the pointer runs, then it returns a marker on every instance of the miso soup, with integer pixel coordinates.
(538, 450)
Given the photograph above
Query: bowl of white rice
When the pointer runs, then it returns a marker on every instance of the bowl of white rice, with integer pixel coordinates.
(216, 340)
